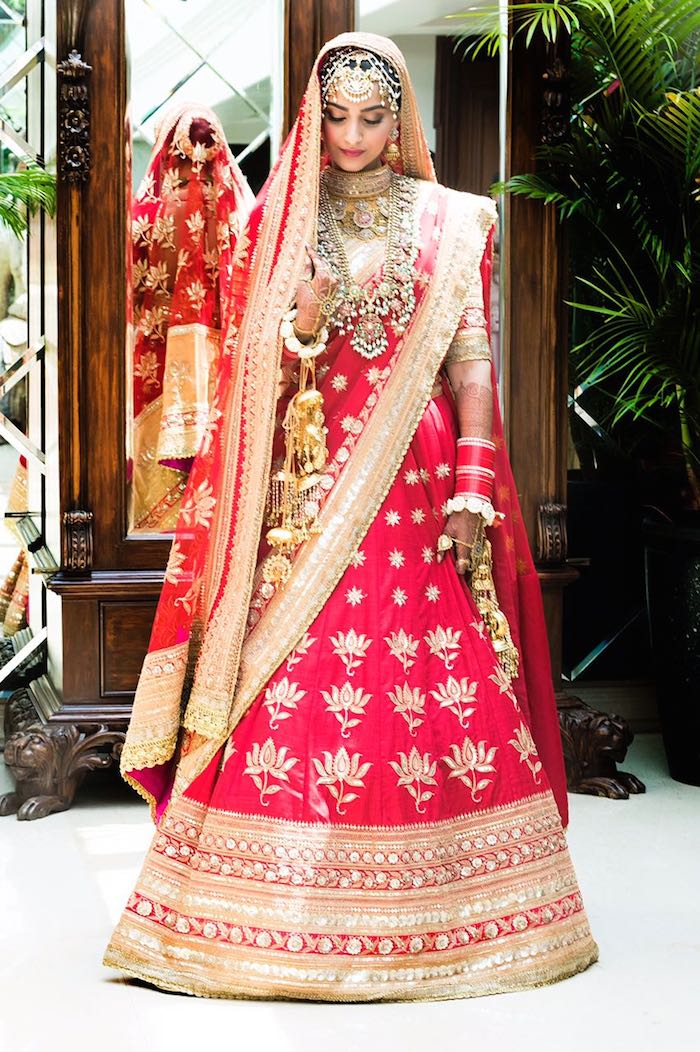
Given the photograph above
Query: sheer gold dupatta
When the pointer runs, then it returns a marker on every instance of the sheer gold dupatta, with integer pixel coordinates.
(225, 673)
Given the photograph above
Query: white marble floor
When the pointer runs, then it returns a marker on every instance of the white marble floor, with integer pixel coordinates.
(64, 880)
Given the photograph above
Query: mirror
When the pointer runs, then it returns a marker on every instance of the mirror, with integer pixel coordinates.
(205, 105)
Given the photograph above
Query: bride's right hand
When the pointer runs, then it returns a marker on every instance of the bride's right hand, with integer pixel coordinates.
(314, 292)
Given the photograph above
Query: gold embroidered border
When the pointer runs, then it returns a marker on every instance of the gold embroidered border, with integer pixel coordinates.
(242, 934)
(467, 346)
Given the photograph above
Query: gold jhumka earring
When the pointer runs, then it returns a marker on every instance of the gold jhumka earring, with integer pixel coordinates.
(393, 151)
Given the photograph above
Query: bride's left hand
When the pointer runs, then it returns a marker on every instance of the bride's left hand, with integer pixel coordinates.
(462, 527)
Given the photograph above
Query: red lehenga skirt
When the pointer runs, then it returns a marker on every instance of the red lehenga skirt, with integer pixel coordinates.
(379, 825)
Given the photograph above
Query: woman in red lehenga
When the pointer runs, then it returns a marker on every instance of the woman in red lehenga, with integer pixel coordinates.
(345, 724)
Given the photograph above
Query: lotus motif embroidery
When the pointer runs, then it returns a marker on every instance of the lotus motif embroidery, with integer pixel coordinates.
(500, 677)
(199, 507)
(266, 761)
(470, 761)
(164, 231)
(351, 648)
(444, 643)
(409, 703)
(280, 696)
(337, 772)
(345, 702)
(300, 650)
(456, 695)
(524, 744)
(173, 571)
(414, 771)
(403, 647)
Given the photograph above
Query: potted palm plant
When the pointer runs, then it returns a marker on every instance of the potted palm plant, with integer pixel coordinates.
(625, 179)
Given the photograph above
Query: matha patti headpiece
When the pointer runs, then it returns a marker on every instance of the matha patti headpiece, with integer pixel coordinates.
(354, 74)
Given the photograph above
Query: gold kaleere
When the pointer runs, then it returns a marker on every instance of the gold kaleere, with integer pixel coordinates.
(483, 591)
(295, 491)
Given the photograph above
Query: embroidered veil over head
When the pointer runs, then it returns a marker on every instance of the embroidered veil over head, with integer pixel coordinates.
(205, 667)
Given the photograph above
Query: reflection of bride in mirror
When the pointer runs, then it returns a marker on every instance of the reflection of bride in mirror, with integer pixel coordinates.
(185, 219)
(345, 724)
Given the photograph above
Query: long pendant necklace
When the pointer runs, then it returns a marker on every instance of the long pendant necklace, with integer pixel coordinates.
(388, 300)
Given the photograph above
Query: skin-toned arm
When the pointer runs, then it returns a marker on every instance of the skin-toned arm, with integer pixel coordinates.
(471, 384)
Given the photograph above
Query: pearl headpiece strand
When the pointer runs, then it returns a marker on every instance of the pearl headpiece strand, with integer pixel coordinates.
(354, 73)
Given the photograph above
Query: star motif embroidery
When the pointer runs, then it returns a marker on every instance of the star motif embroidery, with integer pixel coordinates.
(428, 555)
(339, 382)
(354, 596)
(432, 593)
(444, 509)
(375, 374)
(358, 559)
(411, 478)
(351, 424)
(425, 475)
(392, 518)
(397, 558)
(418, 516)
(399, 596)
(442, 471)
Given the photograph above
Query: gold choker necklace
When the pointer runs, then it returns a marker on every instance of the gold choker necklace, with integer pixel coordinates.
(371, 183)
(359, 201)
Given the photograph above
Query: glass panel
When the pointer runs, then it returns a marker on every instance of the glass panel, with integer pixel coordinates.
(229, 59)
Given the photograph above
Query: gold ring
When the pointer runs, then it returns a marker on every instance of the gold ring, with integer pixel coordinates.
(444, 542)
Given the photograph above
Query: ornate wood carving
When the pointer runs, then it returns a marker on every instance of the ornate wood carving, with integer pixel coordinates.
(19, 713)
(73, 99)
(49, 762)
(77, 542)
(551, 546)
(594, 743)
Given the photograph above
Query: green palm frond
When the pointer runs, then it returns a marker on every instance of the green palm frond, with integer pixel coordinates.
(23, 193)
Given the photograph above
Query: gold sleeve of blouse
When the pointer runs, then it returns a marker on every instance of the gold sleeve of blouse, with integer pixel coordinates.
(471, 340)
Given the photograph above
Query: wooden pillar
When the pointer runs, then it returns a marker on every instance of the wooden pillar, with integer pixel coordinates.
(308, 25)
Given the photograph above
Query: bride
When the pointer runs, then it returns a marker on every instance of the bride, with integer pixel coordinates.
(345, 724)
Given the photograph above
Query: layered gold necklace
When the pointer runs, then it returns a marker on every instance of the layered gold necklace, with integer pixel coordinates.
(389, 299)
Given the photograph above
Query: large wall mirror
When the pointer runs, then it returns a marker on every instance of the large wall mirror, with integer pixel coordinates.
(205, 91)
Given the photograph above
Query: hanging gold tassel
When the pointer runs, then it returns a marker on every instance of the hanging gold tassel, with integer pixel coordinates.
(295, 491)
(483, 590)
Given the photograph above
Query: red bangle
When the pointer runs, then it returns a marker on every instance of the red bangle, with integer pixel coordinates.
(475, 467)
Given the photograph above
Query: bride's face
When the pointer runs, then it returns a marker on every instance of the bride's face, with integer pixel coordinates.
(356, 133)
